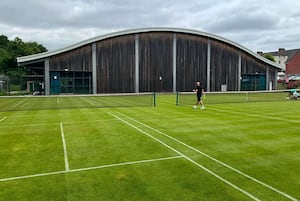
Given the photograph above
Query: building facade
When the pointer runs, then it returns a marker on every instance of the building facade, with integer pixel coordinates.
(151, 59)
(289, 60)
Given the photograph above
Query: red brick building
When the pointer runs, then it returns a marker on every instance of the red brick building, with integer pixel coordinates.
(293, 65)
(288, 59)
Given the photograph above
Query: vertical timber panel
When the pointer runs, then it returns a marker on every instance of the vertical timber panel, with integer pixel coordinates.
(116, 64)
(174, 62)
(78, 60)
(94, 67)
(224, 66)
(208, 64)
(137, 62)
(239, 72)
(155, 55)
(191, 61)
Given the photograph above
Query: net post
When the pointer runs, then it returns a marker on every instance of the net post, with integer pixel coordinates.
(154, 99)
(177, 98)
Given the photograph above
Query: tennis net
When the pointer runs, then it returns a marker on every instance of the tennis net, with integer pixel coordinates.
(23, 103)
(189, 98)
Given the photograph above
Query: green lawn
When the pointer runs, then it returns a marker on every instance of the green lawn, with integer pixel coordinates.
(237, 151)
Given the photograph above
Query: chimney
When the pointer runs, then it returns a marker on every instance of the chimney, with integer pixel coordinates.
(281, 50)
(260, 53)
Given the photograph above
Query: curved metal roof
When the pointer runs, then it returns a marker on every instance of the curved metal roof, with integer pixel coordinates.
(44, 55)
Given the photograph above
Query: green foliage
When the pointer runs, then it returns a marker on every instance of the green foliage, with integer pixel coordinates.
(10, 50)
(269, 56)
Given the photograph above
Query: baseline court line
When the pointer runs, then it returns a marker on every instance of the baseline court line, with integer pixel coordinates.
(3, 119)
(187, 158)
(89, 168)
(214, 159)
(65, 147)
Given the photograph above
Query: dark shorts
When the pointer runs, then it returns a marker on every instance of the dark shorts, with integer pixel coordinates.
(199, 97)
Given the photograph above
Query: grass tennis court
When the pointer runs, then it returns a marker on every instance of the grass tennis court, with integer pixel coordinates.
(230, 151)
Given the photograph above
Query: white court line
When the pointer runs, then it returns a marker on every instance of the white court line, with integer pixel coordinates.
(24, 104)
(187, 158)
(49, 124)
(89, 168)
(3, 119)
(20, 103)
(256, 115)
(214, 159)
(65, 147)
(125, 163)
(89, 102)
(57, 100)
(166, 102)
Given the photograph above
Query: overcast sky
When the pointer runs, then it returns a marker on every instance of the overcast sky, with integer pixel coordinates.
(260, 25)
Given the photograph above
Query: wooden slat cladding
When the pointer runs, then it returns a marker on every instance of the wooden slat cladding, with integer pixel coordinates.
(115, 62)
(116, 65)
(155, 56)
(224, 66)
(79, 59)
(251, 65)
(191, 61)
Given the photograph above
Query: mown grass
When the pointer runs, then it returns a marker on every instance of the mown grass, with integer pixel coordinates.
(259, 139)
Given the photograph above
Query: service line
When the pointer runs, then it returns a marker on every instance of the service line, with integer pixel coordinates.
(89, 168)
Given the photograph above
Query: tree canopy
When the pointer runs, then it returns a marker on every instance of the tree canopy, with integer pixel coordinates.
(270, 57)
(10, 50)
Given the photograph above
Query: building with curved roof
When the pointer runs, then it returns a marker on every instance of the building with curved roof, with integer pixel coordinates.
(150, 59)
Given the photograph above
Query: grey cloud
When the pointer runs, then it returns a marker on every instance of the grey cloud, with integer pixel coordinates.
(57, 23)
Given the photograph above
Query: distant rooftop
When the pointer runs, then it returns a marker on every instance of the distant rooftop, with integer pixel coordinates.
(283, 52)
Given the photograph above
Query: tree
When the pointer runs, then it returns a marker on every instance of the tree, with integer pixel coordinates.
(270, 57)
(3, 41)
(10, 50)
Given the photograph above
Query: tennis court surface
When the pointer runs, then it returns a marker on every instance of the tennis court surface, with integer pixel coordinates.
(76, 148)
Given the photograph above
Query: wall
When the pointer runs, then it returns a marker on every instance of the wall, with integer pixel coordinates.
(293, 66)
(191, 61)
(116, 63)
(155, 62)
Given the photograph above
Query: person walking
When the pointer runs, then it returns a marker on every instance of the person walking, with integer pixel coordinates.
(200, 93)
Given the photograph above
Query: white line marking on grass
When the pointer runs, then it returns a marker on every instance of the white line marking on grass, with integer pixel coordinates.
(187, 158)
(3, 119)
(256, 115)
(32, 176)
(24, 104)
(65, 147)
(20, 103)
(57, 100)
(49, 124)
(90, 168)
(125, 163)
(89, 102)
(167, 102)
(214, 159)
